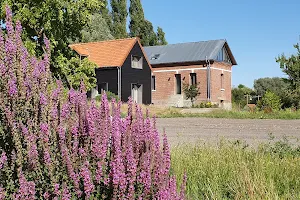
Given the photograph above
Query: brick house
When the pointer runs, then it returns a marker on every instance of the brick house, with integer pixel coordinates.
(122, 68)
(208, 63)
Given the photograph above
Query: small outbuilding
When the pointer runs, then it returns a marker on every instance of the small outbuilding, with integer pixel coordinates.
(122, 68)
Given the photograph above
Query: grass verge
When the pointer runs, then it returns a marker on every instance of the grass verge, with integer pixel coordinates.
(236, 172)
(283, 114)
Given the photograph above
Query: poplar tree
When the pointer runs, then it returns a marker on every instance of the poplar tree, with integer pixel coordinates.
(119, 16)
(106, 14)
(161, 40)
(137, 18)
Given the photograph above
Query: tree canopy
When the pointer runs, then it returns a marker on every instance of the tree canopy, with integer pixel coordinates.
(119, 18)
(291, 67)
(61, 21)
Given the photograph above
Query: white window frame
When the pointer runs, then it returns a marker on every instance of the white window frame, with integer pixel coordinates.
(139, 63)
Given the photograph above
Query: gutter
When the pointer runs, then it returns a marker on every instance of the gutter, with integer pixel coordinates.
(208, 79)
(119, 83)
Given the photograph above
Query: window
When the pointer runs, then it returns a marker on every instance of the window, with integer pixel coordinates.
(223, 56)
(102, 87)
(178, 83)
(153, 84)
(222, 81)
(193, 78)
(137, 62)
(155, 57)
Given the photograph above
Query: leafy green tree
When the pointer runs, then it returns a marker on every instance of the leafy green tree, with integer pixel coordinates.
(104, 11)
(238, 95)
(77, 70)
(139, 26)
(137, 18)
(291, 67)
(62, 21)
(119, 17)
(148, 38)
(270, 101)
(191, 92)
(96, 30)
(161, 40)
(276, 85)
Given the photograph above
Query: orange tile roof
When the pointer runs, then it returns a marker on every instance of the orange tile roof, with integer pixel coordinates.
(110, 53)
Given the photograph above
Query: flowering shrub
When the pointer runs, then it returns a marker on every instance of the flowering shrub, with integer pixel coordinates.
(57, 147)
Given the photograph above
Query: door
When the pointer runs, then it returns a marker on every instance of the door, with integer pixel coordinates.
(137, 93)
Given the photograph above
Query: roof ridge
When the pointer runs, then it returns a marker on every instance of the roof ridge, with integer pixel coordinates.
(187, 43)
(96, 42)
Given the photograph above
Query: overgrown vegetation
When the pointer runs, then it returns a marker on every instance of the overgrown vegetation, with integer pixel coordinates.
(234, 171)
(57, 146)
(191, 92)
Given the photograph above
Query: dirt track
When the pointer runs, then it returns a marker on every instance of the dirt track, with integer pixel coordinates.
(192, 130)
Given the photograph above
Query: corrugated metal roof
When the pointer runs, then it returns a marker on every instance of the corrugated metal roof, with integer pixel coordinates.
(186, 52)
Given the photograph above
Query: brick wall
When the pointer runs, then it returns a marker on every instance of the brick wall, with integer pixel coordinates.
(166, 82)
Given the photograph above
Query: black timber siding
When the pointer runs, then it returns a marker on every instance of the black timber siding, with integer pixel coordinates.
(140, 76)
(110, 76)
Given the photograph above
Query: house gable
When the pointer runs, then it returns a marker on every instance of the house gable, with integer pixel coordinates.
(130, 75)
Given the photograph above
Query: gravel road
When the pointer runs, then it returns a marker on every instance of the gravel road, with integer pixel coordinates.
(206, 130)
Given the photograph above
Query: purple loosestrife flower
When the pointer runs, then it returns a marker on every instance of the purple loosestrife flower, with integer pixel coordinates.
(145, 174)
(87, 180)
(43, 99)
(56, 191)
(27, 189)
(46, 195)
(117, 166)
(18, 33)
(167, 157)
(73, 96)
(183, 187)
(8, 22)
(66, 194)
(131, 167)
(12, 87)
(3, 160)
(2, 193)
(24, 61)
(65, 111)
(36, 69)
(173, 188)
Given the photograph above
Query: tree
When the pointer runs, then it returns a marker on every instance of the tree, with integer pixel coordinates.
(161, 40)
(119, 17)
(62, 21)
(139, 26)
(104, 11)
(238, 94)
(191, 92)
(276, 85)
(291, 67)
(270, 101)
(96, 30)
(148, 37)
(137, 18)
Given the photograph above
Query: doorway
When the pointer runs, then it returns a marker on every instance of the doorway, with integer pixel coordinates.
(137, 93)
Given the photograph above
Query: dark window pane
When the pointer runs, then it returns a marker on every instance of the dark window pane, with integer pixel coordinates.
(178, 83)
(153, 84)
(102, 87)
(193, 78)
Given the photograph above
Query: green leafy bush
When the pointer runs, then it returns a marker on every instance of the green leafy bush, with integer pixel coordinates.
(270, 102)
(109, 95)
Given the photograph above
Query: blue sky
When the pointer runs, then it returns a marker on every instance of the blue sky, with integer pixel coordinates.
(257, 31)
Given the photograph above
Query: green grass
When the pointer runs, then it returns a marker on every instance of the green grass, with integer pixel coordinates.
(235, 172)
(233, 114)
